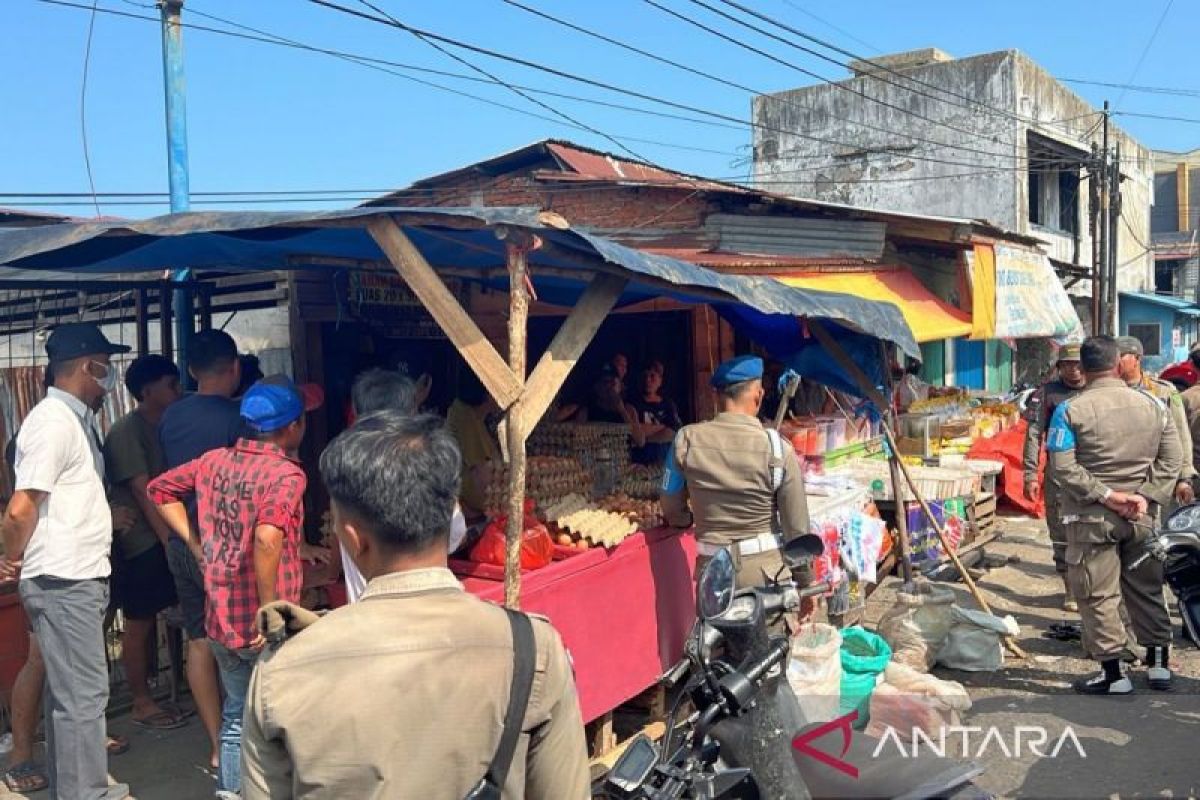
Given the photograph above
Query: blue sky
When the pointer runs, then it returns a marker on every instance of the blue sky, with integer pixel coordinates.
(262, 117)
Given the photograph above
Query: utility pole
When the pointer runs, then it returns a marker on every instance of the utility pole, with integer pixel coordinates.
(1105, 220)
(1114, 237)
(175, 89)
(1094, 235)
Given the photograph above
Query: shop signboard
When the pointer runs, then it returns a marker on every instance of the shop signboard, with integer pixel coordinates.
(1030, 300)
(386, 303)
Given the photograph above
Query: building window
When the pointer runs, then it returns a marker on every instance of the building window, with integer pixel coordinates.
(1149, 334)
(1054, 184)
(1165, 273)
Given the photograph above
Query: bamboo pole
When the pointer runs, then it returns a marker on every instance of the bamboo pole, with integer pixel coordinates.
(518, 314)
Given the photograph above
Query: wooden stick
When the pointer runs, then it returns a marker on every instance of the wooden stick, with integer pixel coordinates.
(906, 570)
(518, 305)
(1009, 642)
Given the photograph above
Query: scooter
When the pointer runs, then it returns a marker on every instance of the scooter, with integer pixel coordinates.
(739, 743)
(1177, 542)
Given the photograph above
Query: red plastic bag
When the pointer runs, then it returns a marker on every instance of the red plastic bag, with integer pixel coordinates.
(537, 548)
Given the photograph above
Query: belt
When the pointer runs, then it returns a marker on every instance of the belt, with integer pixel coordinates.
(763, 543)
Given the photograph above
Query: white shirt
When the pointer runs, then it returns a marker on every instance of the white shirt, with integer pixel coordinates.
(56, 454)
(356, 584)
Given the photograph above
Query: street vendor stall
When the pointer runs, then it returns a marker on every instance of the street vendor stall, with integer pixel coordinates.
(623, 599)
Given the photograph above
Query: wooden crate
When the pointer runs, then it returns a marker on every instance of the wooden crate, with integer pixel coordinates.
(981, 514)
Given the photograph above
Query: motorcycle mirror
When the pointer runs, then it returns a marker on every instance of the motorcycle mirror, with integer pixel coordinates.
(803, 548)
(714, 590)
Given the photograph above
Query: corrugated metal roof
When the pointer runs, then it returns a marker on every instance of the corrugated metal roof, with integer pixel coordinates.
(1177, 303)
(798, 236)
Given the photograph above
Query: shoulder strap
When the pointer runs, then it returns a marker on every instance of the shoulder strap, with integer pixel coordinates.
(776, 458)
(524, 658)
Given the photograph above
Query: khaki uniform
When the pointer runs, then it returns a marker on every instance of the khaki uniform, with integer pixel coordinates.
(403, 695)
(1109, 437)
(1038, 413)
(1173, 400)
(1191, 411)
(724, 468)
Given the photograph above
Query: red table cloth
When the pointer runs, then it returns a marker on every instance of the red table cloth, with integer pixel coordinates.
(623, 614)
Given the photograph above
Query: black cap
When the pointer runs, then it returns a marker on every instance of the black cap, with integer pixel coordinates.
(78, 339)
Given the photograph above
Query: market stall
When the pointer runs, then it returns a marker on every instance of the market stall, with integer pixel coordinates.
(644, 575)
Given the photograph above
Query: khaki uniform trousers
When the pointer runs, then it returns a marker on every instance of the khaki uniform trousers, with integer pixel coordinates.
(754, 571)
(1058, 529)
(1098, 554)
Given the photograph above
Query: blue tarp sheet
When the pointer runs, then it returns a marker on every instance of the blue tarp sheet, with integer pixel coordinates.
(462, 239)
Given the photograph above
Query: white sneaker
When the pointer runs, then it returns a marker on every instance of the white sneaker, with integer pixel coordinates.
(1160, 678)
(1100, 684)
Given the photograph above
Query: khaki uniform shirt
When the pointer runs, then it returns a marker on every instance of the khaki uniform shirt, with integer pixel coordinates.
(1110, 436)
(1169, 395)
(724, 468)
(1042, 404)
(1191, 409)
(403, 695)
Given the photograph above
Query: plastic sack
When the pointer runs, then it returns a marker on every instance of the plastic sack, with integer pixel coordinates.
(537, 548)
(973, 644)
(815, 671)
(916, 626)
(864, 657)
(907, 699)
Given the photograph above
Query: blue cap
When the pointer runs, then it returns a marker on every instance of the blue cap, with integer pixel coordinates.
(737, 370)
(275, 402)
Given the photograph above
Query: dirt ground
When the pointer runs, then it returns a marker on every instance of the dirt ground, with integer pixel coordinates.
(1142, 746)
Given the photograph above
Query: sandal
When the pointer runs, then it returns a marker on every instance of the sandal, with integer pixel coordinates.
(116, 745)
(162, 721)
(177, 711)
(25, 777)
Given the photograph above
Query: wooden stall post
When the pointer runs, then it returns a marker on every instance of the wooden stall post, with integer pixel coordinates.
(142, 325)
(889, 416)
(518, 315)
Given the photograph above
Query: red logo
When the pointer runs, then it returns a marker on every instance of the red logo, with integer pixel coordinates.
(804, 743)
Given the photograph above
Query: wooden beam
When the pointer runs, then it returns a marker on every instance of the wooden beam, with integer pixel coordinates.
(516, 432)
(567, 347)
(501, 383)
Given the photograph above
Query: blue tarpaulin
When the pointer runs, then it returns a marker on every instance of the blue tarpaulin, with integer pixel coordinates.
(464, 239)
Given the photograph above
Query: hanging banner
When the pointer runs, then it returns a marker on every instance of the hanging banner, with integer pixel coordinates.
(981, 269)
(1030, 301)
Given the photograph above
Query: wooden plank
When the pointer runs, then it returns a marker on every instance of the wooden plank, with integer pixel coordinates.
(602, 740)
(516, 432)
(500, 381)
(567, 347)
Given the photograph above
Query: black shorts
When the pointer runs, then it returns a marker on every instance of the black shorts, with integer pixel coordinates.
(142, 586)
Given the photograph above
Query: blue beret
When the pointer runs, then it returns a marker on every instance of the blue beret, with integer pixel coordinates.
(737, 370)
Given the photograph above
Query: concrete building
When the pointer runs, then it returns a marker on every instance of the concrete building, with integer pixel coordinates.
(1175, 224)
(991, 137)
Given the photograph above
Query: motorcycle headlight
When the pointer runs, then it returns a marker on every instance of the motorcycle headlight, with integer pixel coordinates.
(1186, 518)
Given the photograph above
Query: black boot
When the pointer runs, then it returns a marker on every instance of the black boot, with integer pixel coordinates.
(1110, 680)
(1158, 662)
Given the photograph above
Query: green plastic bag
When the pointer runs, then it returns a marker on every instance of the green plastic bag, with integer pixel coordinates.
(864, 656)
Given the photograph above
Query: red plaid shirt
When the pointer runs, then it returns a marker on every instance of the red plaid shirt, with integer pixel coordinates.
(237, 489)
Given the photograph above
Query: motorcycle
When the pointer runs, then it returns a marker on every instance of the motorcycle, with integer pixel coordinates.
(737, 744)
(1178, 543)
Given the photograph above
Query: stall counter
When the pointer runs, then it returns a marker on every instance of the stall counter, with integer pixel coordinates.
(623, 613)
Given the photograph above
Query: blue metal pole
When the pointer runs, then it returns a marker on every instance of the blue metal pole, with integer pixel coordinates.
(175, 89)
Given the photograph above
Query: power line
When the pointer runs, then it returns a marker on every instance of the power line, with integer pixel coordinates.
(618, 89)
(383, 65)
(826, 22)
(87, 59)
(1180, 92)
(465, 62)
(1165, 117)
(743, 87)
(877, 66)
(1145, 50)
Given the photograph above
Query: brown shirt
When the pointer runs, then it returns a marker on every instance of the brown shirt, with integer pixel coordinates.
(723, 468)
(1110, 436)
(403, 694)
(1191, 410)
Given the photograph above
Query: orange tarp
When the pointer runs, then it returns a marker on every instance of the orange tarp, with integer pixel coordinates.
(930, 318)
